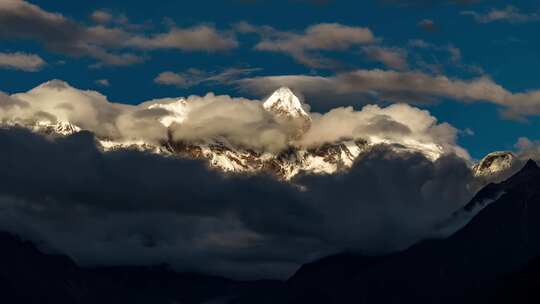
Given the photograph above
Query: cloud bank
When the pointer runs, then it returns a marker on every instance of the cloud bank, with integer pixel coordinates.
(129, 207)
(241, 121)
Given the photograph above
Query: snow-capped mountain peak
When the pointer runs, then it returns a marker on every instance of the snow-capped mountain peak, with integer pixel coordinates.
(59, 127)
(177, 111)
(494, 163)
(222, 154)
(284, 102)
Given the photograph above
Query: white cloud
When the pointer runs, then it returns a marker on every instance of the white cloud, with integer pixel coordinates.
(21, 61)
(171, 78)
(111, 44)
(242, 121)
(197, 38)
(397, 123)
(305, 47)
(414, 87)
(410, 87)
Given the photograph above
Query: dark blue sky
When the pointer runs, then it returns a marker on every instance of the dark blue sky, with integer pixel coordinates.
(461, 41)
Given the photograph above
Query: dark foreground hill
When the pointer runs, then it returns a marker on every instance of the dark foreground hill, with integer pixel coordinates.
(466, 267)
(28, 275)
(493, 259)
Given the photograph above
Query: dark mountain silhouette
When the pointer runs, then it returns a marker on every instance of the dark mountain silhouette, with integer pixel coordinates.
(28, 275)
(501, 239)
(495, 258)
(520, 287)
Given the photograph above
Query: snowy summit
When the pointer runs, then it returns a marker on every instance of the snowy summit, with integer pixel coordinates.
(284, 102)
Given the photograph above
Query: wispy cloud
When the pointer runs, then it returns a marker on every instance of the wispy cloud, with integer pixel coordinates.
(110, 45)
(395, 58)
(367, 86)
(192, 77)
(21, 61)
(509, 14)
(197, 38)
(101, 16)
(439, 57)
(306, 47)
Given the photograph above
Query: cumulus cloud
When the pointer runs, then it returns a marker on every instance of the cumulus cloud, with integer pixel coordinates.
(368, 86)
(509, 14)
(56, 100)
(109, 45)
(305, 47)
(398, 123)
(243, 122)
(135, 208)
(21, 61)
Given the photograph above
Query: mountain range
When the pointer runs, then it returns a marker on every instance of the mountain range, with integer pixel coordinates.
(493, 257)
(224, 155)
